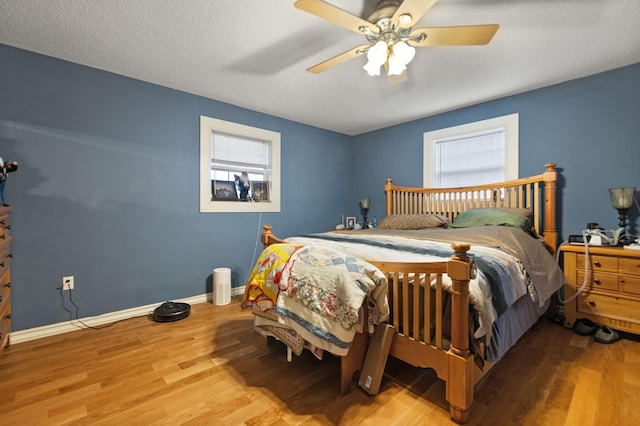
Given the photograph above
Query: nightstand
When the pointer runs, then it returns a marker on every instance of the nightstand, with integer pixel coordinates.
(611, 296)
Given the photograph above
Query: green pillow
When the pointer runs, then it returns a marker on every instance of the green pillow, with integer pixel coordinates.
(490, 217)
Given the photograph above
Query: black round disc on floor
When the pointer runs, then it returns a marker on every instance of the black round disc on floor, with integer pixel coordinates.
(171, 311)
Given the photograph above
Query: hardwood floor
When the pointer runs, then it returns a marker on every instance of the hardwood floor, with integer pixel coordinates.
(212, 368)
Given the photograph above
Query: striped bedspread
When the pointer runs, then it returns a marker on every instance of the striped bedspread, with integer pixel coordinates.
(511, 264)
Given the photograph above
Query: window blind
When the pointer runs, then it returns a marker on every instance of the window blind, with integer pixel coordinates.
(234, 151)
(467, 160)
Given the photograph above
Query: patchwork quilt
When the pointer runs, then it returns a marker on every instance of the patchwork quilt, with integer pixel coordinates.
(312, 296)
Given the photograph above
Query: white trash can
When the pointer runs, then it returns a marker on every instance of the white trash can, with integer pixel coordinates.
(221, 286)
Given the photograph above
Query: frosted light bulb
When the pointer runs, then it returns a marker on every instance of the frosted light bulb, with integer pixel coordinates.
(377, 56)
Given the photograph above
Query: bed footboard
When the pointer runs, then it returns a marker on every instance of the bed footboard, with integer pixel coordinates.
(419, 338)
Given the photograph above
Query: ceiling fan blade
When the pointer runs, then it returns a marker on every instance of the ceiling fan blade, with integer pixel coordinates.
(335, 15)
(454, 36)
(413, 8)
(339, 59)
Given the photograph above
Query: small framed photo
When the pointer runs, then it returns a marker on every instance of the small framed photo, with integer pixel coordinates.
(351, 222)
(223, 190)
(259, 190)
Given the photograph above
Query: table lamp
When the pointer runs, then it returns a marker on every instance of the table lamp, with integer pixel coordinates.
(364, 203)
(622, 200)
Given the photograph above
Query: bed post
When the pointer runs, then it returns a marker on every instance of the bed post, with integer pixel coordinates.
(460, 378)
(387, 190)
(267, 238)
(550, 234)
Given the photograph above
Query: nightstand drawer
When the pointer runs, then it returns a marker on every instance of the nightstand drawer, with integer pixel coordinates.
(600, 281)
(598, 263)
(630, 266)
(630, 285)
(613, 307)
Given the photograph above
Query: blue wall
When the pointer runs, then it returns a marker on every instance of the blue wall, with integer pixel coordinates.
(107, 188)
(589, 127)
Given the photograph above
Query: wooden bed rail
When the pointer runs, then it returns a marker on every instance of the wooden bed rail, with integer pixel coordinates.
(537, 193)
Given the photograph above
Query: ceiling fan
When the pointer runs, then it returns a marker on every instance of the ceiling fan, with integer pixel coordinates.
(391, 38)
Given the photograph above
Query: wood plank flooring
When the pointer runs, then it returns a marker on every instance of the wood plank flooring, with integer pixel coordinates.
(213, 369)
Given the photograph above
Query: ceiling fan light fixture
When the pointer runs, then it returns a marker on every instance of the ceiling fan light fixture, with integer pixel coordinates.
(372, 69)
(376, 56)
(403, 52)
(404, 19)
(401, 55)
(395, 67)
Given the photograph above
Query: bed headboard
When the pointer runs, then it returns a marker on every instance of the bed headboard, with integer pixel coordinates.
(537, 193)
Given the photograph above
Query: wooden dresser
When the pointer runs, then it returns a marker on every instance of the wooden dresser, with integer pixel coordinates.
(5, 278)
(611, 296)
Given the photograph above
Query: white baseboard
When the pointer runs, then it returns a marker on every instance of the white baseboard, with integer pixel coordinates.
(108, 318)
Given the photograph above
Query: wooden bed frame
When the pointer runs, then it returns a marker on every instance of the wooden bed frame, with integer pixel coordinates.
(454, 364)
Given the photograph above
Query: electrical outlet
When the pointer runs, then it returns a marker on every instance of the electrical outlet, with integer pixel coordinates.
(67, 283)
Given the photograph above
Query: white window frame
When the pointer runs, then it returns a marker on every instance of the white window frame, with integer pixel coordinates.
(210, 125)
(510, 123)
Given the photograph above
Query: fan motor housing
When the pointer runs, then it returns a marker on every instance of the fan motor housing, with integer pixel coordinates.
(384, 9)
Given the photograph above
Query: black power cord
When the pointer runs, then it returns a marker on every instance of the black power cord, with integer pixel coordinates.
(77, 309)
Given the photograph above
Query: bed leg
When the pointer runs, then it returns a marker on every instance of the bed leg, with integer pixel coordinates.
(458, 415)
(460, 386)
(352, 362)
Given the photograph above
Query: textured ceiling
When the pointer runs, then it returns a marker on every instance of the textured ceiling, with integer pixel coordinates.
(253, 53)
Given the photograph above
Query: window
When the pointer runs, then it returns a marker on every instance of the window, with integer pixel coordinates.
(472, 154)
(239, 167)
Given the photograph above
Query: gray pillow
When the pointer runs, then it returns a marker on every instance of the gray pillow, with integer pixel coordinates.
(413, 221)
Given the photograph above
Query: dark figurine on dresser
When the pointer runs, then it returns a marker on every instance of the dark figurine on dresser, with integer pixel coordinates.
(5, 168)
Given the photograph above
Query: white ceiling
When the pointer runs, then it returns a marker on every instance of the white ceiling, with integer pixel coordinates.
(253, 53)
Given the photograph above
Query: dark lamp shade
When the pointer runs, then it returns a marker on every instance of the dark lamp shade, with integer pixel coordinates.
(622, 198)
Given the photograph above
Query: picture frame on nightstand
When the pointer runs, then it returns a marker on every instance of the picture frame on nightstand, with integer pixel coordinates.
(351, 222)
